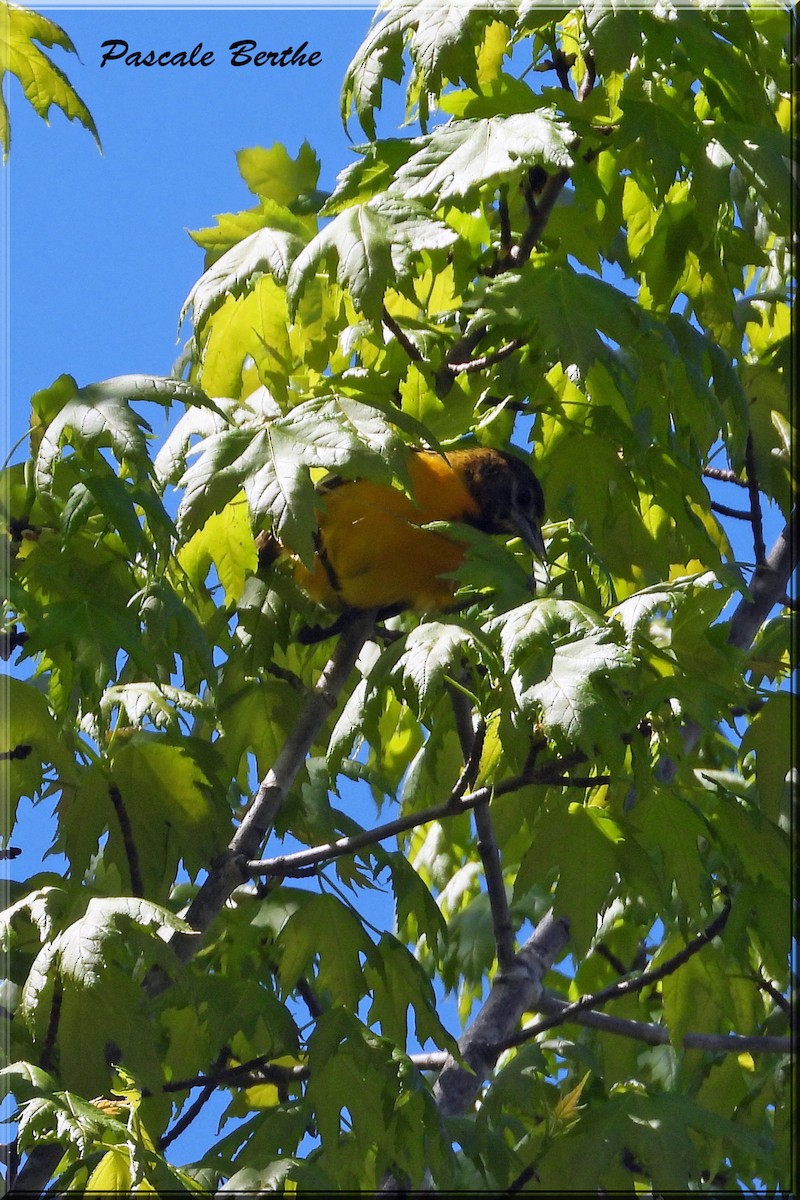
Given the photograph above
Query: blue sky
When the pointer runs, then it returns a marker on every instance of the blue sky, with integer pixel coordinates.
(100, 262)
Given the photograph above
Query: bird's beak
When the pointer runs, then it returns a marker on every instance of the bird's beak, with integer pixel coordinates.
(531, 534)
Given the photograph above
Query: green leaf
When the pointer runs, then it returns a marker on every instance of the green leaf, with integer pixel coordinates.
(697, 995)
(374, 246)
(442, 41)
(271, 464)
(274, 175)
(43, 83)
(270, 251)
(340, 969)
(93, 961)
(653, 118)
(769, 736)
(669, 828)
(463, 156)
(559, 308)
(581, 841)
(152, 704)
(170, 790)
(100, 415)
(31, 738)
(433, 654)
(368, 176)
(226, 542)
(94, 633)
(399, 982)
(563, 664)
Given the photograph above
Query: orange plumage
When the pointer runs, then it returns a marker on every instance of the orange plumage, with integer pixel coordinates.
(372, 551)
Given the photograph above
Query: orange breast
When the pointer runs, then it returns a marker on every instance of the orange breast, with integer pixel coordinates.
(377, 554)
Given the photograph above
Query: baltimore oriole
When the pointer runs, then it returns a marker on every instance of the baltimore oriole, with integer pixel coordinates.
(371, 551)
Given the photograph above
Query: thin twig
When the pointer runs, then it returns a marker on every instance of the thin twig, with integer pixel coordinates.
(128, 841)
(16, 753)
(304, 861)
(47, 1057)
(401, 336)
(561, 65)
(724, 476)
(505, 221)
(759, 548)
(502, 924)
(659, 1035)
(544, 206)
(503, 927)
(724, 510)
(472, 762)
(195, 1107)
(624, 987)
(767, 986)
(230, 869)
(590, 75)
(488, 360)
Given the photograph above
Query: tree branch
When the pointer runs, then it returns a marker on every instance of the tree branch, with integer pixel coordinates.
(302, 862)
(230, 870)
(471, 745)
(658, 1035)
(545, 203)
(724, 476)
(473, 365)
(623, 987)
(767, 586)
(183, 1123)
(755, 502)
(725, 510)
(128, 840)
(513, 992)
(769, 582)
(401, 336)
(502, 924)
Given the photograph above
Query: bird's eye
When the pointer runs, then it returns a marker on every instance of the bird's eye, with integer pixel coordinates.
(525, 497)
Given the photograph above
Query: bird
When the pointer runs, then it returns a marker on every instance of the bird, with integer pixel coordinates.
(372, 550)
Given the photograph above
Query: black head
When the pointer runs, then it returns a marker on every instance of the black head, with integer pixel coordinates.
(508, 494)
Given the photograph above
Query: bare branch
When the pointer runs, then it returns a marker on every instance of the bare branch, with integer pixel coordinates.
(561, 64)
(505, 222)
(502, 925)
(513, 992)
(658, 1035)
(255, 1070)
(495, 885)
(37, 1170)
(488, 360)
(128, 841)
(767, 586)
(536, 226)
(195, 1107)
(755, 502)
(624, 987)
(590, 76)
(724, 476)
(303, 862)
(401, 336)
(767, 986)
(230, 870)
(725, 511)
